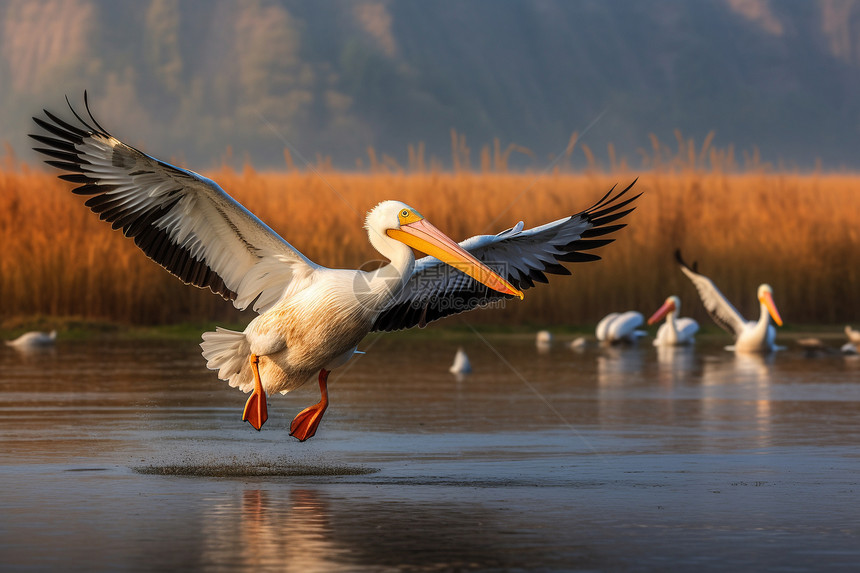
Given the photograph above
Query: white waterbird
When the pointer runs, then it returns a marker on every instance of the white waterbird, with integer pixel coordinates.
(758, 336)
(620, 327)
(311, 318)
(34, 340)
(676, 331)
(461, 363)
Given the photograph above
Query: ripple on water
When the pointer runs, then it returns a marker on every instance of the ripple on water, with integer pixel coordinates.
(242, 468)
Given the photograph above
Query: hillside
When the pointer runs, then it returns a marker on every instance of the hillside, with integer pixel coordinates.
(191, 80)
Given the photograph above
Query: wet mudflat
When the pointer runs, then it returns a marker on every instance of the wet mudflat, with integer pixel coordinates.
(132, 456)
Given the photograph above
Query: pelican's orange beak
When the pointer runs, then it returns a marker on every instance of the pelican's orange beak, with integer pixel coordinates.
(667, 307)
(767, 300)
(424, 237)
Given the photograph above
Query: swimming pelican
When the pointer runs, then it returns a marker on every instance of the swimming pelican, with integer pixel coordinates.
(543, 341)
(749, 336)
(621, 327)
(311, 318)
(544, 337)
(34, 340)
(853, 335)
(675, 331)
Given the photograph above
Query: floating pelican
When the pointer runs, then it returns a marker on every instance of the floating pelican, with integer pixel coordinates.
(543, 342)
(461, 363)
(853, 335)
(34, 340)
(311, 318)
(749, 336)
(675, 331)
(621, 327)
(543, 337)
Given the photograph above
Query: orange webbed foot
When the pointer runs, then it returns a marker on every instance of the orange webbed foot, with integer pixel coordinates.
(306, 423)
(256, 413)
(308, 420)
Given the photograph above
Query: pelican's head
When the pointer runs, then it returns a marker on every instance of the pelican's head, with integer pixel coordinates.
(765, 297)
(671, 304)
(400, 222)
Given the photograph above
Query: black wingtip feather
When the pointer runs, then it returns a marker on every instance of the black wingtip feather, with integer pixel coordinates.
(89, 113)
(75, 178)
(55, 143)
(602, 230)
(78, 117)
(614, 207)
(578, 257)
(65, 125)
(613, 217)
(694, 267)
(73, 167)
(57, 154)
(588, 244)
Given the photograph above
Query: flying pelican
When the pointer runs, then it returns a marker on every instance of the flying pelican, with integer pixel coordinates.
(749, 336)
(311, 318)
(675, 331)
(621, 327)
(34, 340)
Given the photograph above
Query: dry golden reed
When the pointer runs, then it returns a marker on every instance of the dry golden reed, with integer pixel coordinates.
(798, 232)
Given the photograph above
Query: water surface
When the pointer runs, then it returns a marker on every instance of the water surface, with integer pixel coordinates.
(132, 456)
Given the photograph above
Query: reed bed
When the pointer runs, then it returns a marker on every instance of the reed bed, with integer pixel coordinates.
(799, 232)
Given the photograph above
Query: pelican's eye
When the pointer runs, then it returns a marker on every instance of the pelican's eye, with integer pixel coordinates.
(404, 213)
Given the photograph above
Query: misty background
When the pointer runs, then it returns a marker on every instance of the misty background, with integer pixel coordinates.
(189, 80)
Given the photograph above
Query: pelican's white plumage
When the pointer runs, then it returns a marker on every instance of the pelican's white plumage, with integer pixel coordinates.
(34, 339)
(620, 327)
(758, 336)
(311, 318)
(852, 334)
(676, 331)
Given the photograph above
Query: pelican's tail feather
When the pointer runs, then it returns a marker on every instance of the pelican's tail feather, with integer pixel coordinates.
(228, 352)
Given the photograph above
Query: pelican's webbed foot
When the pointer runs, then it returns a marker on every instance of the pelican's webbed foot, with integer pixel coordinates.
(255, 412)
(308, 420)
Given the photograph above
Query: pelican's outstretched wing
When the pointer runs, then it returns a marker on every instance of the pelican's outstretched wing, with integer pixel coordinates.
(719, 308)
(181, 220)
(523, 257)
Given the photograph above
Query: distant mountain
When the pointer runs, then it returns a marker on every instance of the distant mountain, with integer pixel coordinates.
(190, 79)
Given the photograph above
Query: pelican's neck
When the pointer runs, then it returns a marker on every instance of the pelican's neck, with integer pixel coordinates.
(387, 281)
(763, 321)
(673, 328)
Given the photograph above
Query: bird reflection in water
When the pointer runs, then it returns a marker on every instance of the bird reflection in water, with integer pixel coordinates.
(292, 533)
(674, 364)
(737, 393)
(619, 370)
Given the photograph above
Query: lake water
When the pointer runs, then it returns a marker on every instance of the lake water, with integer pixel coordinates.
(131, 456)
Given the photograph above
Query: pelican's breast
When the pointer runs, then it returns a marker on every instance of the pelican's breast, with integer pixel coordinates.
(317, 325)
